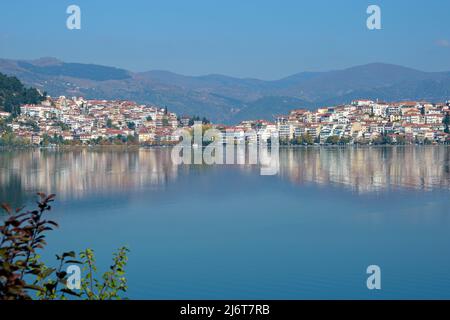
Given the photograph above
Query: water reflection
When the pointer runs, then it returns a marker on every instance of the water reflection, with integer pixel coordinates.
(76, 173)
(370, 169)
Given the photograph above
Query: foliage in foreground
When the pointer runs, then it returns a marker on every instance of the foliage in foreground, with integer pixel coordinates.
(22, 272)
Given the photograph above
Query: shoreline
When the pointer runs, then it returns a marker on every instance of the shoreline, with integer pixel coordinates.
(137, 147)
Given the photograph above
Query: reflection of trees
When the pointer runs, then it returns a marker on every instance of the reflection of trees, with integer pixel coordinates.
(11, 189)
(369, 169)
(10, 179)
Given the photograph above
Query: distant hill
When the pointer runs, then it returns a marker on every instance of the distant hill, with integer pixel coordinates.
(13, 94)
(228, 99)
(76, 70)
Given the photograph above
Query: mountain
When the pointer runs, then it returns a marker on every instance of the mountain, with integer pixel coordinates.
(228, 99)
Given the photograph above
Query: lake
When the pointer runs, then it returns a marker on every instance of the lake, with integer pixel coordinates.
(226, 232)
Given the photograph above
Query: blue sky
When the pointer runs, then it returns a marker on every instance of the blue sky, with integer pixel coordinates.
(265, 39)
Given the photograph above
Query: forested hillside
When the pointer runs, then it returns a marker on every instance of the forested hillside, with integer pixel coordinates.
(13, 93)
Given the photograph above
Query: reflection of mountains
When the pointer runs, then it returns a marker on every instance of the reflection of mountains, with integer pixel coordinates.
(76, 173)
(370, 169)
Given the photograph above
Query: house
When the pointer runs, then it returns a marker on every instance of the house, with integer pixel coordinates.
(184, 121)
(433, 118)
(361, 103)
(145, 135)
(286, 131)
(67, 136)
(112, 133)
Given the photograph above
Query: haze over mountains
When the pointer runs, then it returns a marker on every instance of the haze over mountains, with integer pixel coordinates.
(227, 99)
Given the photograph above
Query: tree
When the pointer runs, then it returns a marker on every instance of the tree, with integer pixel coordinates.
(193, 119)
(332, 140)
(13, 94)
(131, 139)
(113, 282)
(362, 141)
(62, 125)
(447, 122)
(97, 140)
(34, 126)
(9, 139)
(345, 140)
(205, 121)
(308, 139)
(388, 139)
(401, 139)
(379, 140)
(45, 141)
(298, 140)
(23, 234)
(131, 125)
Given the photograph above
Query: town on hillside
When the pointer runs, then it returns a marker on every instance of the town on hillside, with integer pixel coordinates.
(78, 121)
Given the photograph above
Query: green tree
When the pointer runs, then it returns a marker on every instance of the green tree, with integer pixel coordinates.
(388, 139)
(131, 125)
(401, 140)
(131, 139)
(447, 122)
(62, 125)
(13, 94)
(308, 139)
(333, 140)
(9, 139)
(45, 140)
(193, 120)
(345, 140)
(205, 121)
(113, 281)
(33, 125)
(23, 234)
(298, 140)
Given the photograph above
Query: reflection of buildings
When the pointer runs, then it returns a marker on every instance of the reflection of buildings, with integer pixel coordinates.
(77, 173)
(369, 169)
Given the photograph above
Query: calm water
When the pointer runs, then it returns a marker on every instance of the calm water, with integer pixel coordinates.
(225, 232)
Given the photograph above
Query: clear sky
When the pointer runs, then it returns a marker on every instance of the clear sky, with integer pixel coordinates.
(265, 39)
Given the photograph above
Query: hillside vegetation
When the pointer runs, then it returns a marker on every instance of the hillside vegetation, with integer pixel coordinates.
(13, 93)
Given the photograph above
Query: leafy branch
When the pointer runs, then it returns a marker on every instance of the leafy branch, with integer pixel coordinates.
(21, 269)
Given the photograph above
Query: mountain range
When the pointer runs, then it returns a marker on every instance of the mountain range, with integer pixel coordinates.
(227, 99)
